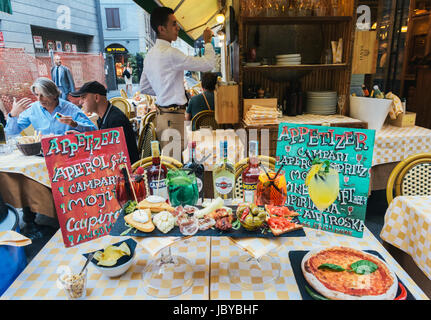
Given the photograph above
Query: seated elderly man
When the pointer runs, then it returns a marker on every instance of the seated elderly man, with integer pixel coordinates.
(49, 115)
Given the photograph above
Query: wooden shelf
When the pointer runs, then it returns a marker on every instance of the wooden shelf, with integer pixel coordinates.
(296, 20)
(297, 67)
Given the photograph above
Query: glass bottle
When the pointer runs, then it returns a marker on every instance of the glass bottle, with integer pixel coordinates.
(197, 168)
(2, 135)
(156, 173)
(224, 176)
(250, 175)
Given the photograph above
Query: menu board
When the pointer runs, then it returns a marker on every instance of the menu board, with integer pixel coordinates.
(83, 169)
(349, 151)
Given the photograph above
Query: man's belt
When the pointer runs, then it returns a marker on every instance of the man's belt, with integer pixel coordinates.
(171, 108)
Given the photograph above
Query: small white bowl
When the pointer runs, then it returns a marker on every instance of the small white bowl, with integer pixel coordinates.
(116, 271)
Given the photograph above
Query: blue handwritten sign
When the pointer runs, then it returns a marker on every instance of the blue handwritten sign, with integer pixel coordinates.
(349, 151)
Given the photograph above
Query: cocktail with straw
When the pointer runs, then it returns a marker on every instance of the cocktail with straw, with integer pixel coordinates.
(271, 188)
(323, 187)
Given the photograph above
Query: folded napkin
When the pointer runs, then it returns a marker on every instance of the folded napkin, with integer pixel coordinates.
(396, 107)
(154, 245)
(257, 247)
(12, 238)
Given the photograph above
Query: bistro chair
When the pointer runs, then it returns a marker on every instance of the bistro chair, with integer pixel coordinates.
(148, 134)
(122, 104)
(410, 177)
(169, 162)
(123, 94)
(204, 119)
(149, 117)
(267, 162)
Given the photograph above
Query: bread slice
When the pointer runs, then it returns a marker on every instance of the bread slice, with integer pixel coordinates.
(155, 206)
(144, 227)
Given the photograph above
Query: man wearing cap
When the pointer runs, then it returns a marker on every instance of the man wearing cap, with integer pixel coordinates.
(164, 66)
(92, 98)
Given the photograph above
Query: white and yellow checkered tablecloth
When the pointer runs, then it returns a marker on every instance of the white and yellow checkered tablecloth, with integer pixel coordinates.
(209, 255)
(39, 279)
(32, 167)
(285, 288)
(393, 144)
(408, 227)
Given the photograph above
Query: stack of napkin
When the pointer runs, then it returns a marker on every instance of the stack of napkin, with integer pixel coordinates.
(260, 115)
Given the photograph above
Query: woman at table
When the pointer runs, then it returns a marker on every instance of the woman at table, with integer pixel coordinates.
(49, 114)
(205, 100)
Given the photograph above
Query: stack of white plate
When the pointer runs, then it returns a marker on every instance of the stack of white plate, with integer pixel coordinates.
(288, 59)
(322, 102)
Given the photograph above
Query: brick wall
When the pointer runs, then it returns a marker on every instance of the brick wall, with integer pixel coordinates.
(19, 70)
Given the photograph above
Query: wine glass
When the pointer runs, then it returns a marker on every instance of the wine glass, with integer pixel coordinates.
(263, 271)
(180, 267)
(323, 188)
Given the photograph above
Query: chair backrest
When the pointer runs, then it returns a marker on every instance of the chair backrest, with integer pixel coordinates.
(169, 162)
(410, 177)
(123, 94)
(267, 162)
(203, 119)
(122, 104)
(147, 135)
(149, 117)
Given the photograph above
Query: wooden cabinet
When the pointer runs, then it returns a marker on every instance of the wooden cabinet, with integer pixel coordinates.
(416, 75)
(308, 35)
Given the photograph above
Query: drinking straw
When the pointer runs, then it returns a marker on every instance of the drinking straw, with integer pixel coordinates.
(160, 169)
(131, 184)
(271, 181)
(279, 169)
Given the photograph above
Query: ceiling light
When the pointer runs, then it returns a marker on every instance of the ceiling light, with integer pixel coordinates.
(220, 18)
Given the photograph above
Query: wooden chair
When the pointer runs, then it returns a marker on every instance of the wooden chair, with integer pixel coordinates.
(123, 94)
(147, 135)
(203, 119)
(122, 104)
(412, 176)
(268, 162)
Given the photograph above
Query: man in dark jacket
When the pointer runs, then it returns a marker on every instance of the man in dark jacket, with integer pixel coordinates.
(62, 77)
(93, 99)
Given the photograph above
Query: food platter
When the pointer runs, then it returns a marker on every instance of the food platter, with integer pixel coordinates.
(121, 228)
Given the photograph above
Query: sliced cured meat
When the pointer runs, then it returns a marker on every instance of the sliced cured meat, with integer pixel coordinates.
(190, 209)
(206, 223)
(189, 227)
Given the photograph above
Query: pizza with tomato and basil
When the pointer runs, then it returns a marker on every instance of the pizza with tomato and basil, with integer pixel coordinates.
(342, 273)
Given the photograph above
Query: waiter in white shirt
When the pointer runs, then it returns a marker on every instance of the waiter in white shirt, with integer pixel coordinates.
(163, 74)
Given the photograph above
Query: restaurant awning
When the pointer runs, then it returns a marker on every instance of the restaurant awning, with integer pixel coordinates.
(192, 15)
(5, 6)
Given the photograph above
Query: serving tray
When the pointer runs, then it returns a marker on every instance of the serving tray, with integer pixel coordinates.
(120, 227)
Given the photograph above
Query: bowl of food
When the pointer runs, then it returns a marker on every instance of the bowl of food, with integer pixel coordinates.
(115, 259)
(29, 145)
(250, 216)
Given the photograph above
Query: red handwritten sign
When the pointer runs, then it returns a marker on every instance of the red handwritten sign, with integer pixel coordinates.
(83, 169)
